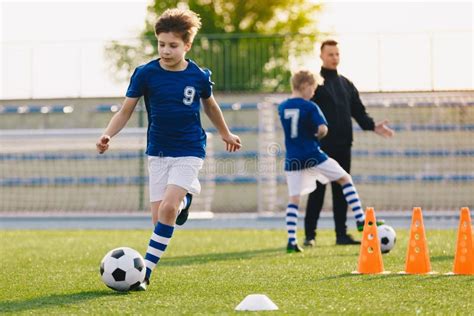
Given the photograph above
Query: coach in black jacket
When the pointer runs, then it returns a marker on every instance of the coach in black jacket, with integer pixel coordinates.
(339, 100)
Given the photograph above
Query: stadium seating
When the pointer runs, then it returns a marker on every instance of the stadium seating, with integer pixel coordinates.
(32, 109)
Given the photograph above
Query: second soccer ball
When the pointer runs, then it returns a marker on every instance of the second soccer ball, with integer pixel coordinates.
(387, 237)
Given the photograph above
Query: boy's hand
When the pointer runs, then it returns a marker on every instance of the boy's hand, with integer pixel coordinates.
(322, 132)
(103, 143)
(232, 142)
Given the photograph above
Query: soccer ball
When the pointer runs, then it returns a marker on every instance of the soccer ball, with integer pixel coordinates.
(387, 237)
(122, 269)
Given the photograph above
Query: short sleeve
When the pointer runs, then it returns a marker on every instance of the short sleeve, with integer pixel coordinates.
(206, 90)
(136, 88)
(318, 117)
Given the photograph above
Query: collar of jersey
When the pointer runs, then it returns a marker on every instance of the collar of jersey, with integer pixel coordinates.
(185, 69)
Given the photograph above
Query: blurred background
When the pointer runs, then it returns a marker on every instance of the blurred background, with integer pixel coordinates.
(54, 49)
(65, 67)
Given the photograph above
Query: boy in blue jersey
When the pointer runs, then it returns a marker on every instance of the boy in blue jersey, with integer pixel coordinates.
(304, 125)
(172, 87)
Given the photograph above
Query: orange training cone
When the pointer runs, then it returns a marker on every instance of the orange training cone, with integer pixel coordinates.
(370, 258)
(418, 259)
(464, 258)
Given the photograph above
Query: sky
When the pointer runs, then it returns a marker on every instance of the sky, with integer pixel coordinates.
(403, 45)
(54, 48)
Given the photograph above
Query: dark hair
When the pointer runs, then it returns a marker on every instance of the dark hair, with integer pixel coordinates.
(186, 23)
(329, 42)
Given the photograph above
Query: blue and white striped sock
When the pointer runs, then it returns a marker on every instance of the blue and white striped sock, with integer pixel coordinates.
(159, 240)
(291, 222)
(352, 198)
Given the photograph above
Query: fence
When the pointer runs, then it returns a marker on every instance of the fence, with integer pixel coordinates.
(429, 162)
(244, 63)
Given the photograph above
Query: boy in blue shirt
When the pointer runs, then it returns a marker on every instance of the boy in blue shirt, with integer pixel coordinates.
(172, 87)
(304, 125)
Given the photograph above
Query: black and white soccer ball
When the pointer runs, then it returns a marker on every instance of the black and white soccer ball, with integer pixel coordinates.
(387, 237)
(122, 269)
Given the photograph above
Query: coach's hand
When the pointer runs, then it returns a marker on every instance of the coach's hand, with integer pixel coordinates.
(103, 143)
(232, 142)
(383, 130)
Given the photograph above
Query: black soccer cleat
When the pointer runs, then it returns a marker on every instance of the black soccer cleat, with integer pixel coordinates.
(360, 224)
(346, 240)
(142, 286)
(309, 243)
(183, 215)
(292, 248)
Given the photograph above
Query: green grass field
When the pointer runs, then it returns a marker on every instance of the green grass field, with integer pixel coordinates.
(211, 271)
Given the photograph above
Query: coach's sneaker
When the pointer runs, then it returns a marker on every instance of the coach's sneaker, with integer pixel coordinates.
(360, 224)
(142, 286)
(309, 243)
(291, 248)
(346, 240)
(183, 215)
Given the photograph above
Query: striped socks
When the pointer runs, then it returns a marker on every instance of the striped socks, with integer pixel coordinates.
(159, 240)
(352, 198)
(291, 222)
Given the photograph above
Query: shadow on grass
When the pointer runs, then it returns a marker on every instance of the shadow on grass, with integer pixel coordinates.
(340, 276)
(52, 301)
(353, 255)
(366, 276)
(221, 256)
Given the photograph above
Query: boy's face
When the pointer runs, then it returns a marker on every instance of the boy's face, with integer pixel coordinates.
(172, 50)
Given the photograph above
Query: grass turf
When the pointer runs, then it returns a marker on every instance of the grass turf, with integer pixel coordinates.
(208, 272)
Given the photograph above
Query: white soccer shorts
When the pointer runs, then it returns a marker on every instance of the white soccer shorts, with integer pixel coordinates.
(180, 171)
(301, 182)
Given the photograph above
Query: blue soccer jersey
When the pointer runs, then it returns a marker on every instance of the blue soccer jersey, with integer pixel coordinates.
(172, 100)
(300, 120)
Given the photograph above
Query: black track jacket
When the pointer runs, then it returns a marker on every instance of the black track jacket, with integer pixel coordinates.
(339, 100)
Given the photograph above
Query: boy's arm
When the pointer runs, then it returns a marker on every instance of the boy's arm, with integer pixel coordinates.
(319, 120)
(212, 110)
(117, 122)
(322, 131)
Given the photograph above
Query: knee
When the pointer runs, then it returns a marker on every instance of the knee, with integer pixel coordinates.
(168, 207)
(345, 179)
(168, 212)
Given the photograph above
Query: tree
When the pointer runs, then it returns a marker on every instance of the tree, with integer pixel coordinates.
(245, 42)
